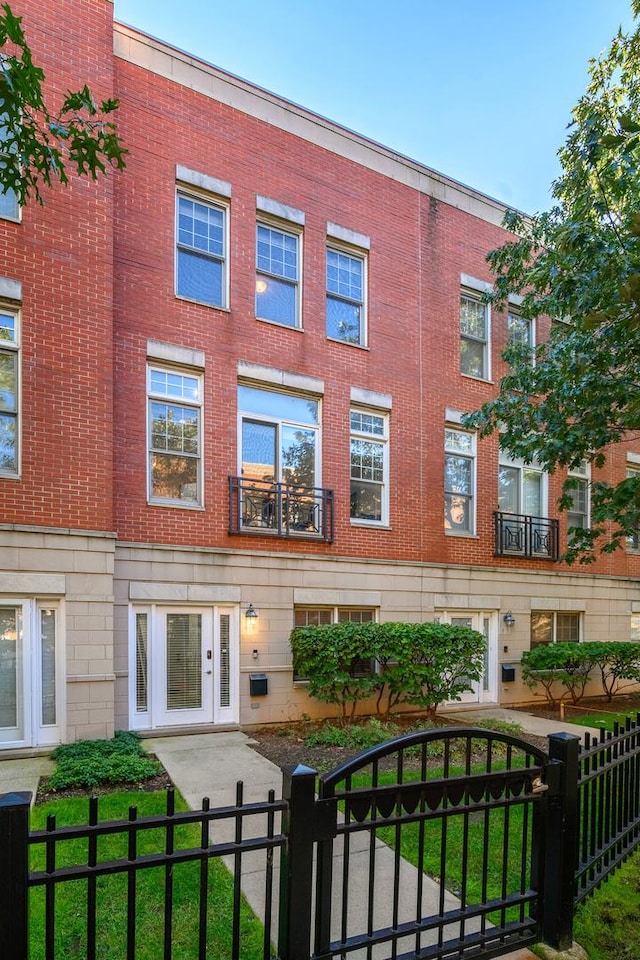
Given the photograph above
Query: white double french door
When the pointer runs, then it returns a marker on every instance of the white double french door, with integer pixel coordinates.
(185, 666)
(31, 678)
(484, 691)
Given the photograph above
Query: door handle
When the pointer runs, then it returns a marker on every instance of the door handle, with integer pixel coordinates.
(209, 671)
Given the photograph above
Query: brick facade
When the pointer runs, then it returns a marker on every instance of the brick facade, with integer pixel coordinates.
(97, 272)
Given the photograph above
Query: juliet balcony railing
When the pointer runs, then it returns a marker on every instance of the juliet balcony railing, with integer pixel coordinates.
(280, 509)
(520, 535)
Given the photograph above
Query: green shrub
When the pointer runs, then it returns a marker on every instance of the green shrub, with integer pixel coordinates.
(570, 665)
(90, 763)
(423, 664)
(358, 736)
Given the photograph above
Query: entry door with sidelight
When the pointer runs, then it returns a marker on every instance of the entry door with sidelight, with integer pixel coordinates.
(30, 674)
(484, 691)
(185, 667)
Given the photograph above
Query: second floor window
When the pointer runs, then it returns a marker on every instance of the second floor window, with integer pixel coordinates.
(277, 276)
(578, 514)
(474, 337)
(9, 391)
(369, 467)
(279, 437)
(521, 487)
(175, 454)
(521, 333)
(345, 297)
(459, 481)
(201, 251)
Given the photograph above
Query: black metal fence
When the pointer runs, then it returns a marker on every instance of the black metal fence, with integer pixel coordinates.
(453, 843)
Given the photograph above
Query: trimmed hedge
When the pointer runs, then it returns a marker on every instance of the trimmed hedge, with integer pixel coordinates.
(423, 664)
(571, 665)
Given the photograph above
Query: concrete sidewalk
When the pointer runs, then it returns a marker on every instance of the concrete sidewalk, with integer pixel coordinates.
(210, 764)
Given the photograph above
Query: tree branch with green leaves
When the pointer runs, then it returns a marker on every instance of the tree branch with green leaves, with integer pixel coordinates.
(579, 264)
(39, 146)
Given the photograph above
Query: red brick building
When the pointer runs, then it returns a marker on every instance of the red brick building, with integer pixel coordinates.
(235, 379)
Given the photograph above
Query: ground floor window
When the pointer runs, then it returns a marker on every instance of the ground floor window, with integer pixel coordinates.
(554, 627)
(317, 616)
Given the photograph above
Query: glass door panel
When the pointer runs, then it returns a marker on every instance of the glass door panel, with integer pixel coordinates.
(10, 673)
(184, 661)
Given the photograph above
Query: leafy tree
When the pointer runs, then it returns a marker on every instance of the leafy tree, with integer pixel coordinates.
(38, 145)
(579, 264)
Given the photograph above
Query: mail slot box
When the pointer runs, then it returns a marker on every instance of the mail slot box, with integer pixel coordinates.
(258, 684)
(508, 673)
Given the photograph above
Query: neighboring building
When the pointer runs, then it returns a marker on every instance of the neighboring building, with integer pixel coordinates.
(232, 381)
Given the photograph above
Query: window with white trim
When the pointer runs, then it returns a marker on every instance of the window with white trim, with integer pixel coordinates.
(319, 616)
(474, 336)
(578, 513)
(346, 278)
(633, 541)
(9, 391)
(635, 628)
(175, 442)
(277, 275)
(521, 332)
(9, 206)
(369, 466)
(522, 487)
(201, 254)
(554, 627)
(459, 481)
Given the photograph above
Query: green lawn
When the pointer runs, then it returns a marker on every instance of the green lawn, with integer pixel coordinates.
(608, 924)
(493, 846)
(70, 905)
(598, 718)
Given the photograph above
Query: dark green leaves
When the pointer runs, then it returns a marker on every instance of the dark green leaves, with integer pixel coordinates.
(39, 146)
(579, 263)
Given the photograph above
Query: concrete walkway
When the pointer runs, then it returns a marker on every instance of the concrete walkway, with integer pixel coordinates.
(209, 765)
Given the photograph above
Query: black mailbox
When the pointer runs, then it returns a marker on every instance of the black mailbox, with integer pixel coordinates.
(258, 684)
(508, 673)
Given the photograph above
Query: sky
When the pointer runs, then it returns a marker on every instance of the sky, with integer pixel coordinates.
(479, 90)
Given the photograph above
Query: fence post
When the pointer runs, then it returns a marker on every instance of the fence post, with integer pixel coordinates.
(14, 874)
(296, 863)
(561, 844)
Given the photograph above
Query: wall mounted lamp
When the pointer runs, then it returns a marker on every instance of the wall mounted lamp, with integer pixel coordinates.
(251, 614)
(509, 619)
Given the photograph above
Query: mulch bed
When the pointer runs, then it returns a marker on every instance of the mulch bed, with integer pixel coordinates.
(619, 704)
(285, 746)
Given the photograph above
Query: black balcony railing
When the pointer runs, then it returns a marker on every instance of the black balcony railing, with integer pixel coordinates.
(280, 509)
(520, 535)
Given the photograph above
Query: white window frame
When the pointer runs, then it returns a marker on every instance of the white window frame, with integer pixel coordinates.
(633, 470)
(476, 297)
(555, 615)
(14, 215)
(452, 449)
(212, 203)
(530, 325)
(581, 473)
(381, 440)
(361, 304)
(328, 614)
(190, 404)
(263, 276)
(504, 460)
(12, 348)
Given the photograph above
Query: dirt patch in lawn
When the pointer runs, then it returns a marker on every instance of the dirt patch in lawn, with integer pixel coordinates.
(286, 745)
